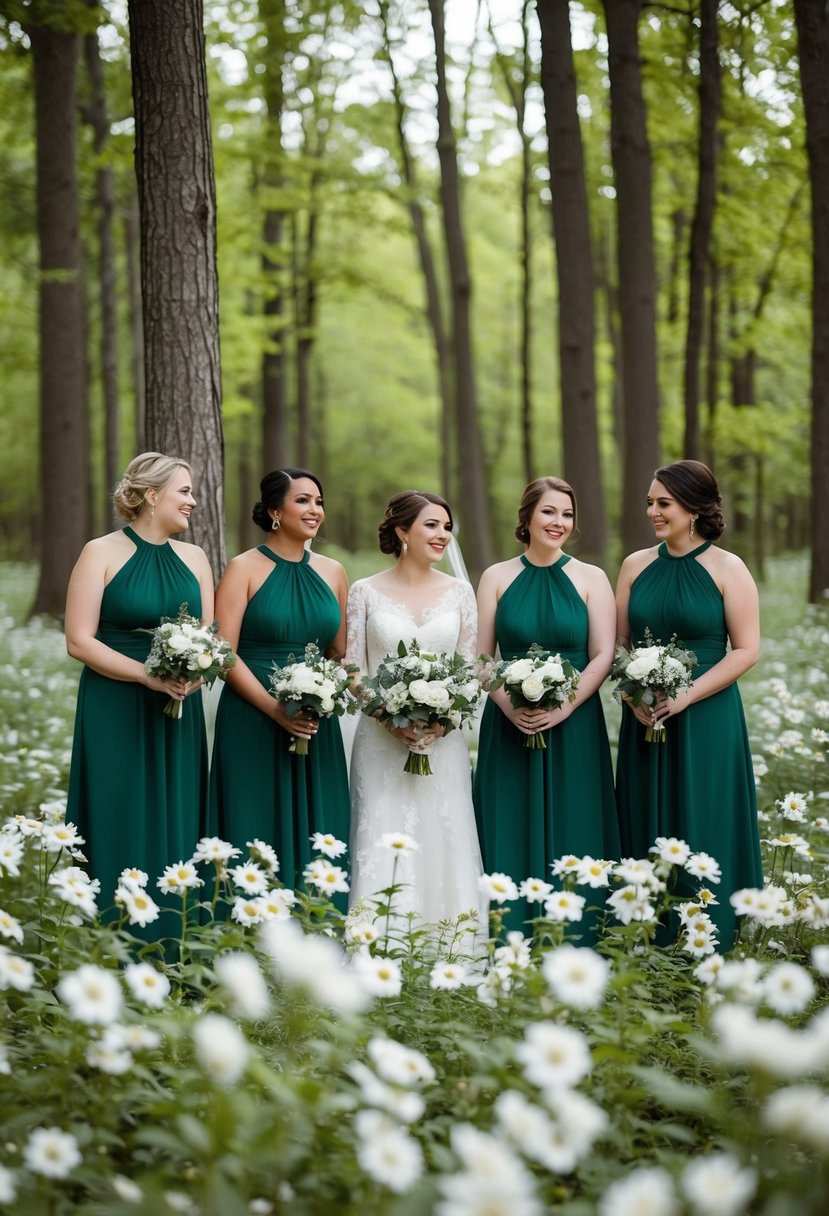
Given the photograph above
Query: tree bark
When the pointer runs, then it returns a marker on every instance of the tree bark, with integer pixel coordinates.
(275, 453)
(434, 306)
(177, 201)
(132, 251)
(98, 118)
(576, 278)
(64, 422)
(709, 110)
(474, 507)
(813, 47)
(631, 157)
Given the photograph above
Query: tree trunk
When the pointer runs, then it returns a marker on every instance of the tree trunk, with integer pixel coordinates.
(275, 452)
(813, 47)
(98, 118)
(177, 200)
(64, 422)
(631, 157)
(305, 309)
(709, 111)
(132, 250)
(434, 307)
(474, 506)
(576, 280)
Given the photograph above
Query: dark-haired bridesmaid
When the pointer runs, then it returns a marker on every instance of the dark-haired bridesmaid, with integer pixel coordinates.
(271, 602)
(699, 784)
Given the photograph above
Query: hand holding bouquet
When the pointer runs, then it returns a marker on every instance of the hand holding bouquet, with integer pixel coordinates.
(184, 649)
(420, 690)
(540, 680)
(315, 687)
(651, 670)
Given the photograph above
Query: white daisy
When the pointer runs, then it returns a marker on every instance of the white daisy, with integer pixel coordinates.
(221, 1048)
(701, 865)
(250, 878)
(399, 1065)
(788, 988)
(51, 1152)
(140, 908)
(147, 985)
(212, 848)
(576, 976)
(264, 853)
(93, 994)
(716, 1185)
(448, 976)
(380, 976)
(534, 890)
(179, 878)
(325, 842)
(554, 1055)
(386, 1152)
(399, 843)
(10, 927)
(244, 984)
(498, 887)
(15, 972)
(645, 1192)
(593, 872)
(564, 906)
(326, 878)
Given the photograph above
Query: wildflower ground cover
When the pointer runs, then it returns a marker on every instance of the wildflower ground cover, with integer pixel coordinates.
(279, 1057)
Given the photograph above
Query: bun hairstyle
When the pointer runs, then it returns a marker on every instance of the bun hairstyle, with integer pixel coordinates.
(273, 487)
(695, 488)
(149, 471)
(401, 512)
(532, 495)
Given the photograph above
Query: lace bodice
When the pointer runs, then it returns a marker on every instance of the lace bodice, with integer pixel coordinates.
(377, 624)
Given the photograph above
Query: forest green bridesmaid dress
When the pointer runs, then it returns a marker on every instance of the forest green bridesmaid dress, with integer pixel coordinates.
(698, 784)
(258, 789)
(533, 806)
(138, 780)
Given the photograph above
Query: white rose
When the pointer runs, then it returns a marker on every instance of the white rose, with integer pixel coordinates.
(304, 680)
(204, 661)
(455, 717)
(519, 670)
(178, 642)
(533, 688)
(469, 690)
(440, 696)
(552, 671)
(639, 669)
(327, 705)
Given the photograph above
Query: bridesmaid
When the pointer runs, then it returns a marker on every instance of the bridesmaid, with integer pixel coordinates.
(699, 783)
(536, 805)
(137, 784)
(270, 603)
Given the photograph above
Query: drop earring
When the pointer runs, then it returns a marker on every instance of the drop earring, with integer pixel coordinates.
(275, 524)
(405, 547)
(693, 527)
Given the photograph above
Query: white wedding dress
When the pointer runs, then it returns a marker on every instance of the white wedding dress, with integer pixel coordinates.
(441, 879)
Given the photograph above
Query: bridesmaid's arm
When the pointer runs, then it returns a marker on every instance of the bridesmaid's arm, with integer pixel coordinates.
(339, 585)
(490, 590)
(601, 637)
(632, 567)
(232, 597)
(742, 620)
(84, 595)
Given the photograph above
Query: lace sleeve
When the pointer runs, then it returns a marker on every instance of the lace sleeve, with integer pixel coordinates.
(469, 621)
(355, 617)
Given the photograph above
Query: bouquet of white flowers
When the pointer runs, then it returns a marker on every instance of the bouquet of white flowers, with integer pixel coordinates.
(417, 689)
(314, 687)
(539, 680)
(650, 669)
(184, 649)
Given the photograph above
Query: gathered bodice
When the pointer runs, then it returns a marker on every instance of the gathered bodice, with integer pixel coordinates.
(294, 606)
(153, 583)
(377, 624)
(542, 606)
(677, 595)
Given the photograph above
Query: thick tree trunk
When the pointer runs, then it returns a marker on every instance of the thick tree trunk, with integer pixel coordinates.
(631, 156)
(576, 280)
(64, 423)
(434, 306)
(274, 407)
(709, 111)
(813, 42)
(176, 191)
(98, 118)
(474, 506)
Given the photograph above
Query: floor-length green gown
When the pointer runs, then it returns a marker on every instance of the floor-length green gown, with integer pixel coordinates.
(258, 788)
(699, 784)
(138, 780)
(535, 805)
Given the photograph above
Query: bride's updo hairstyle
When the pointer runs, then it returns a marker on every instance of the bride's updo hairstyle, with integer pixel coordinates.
(401, 512)
(534, 492)
(695, 488)
(149, 471)
(273, 487)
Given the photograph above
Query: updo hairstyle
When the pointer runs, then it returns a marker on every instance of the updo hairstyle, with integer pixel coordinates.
(149, 471)
(274, 487)
(533, 494)
(694, 487)
(401, 512)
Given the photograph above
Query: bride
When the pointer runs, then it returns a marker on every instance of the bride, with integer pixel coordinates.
(413, 601)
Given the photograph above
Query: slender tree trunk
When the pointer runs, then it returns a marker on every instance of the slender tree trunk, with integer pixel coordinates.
(709, 110)
(177, 199)
(474, 507)
(274, 406)
(434, 306)
(576, 280)
(98, 119)
(64, 422)
(631, 156)
(712, 362)
(813, 42)
(132, 250)
(305, 303)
